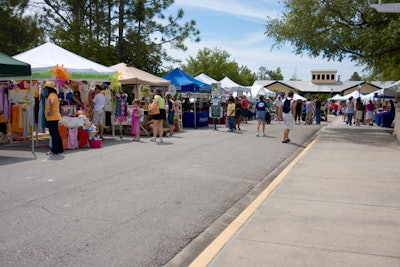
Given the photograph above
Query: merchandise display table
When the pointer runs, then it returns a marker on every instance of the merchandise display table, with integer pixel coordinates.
(126, 121)
(72, 122)
(201, 119)
(384, 119)
(72, 131)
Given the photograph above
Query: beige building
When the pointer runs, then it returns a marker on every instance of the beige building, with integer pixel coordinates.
(322, 81)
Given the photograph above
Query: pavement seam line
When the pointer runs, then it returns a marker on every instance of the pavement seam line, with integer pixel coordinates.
(212, 250)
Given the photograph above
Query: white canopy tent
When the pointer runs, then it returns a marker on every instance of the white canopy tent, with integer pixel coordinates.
(391, 90)
(230, 86)
(297, 97)
(132, 75)
(257, 90)
(206, 79)
(356, 94)
(336, 97)
(45, 57)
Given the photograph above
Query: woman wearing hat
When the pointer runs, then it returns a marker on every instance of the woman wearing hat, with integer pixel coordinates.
(52, 114)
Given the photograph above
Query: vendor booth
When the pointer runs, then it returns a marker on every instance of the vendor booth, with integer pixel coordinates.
(137, 78)
(185, 83)
(72, 74)
(11, 69)
(230, 86)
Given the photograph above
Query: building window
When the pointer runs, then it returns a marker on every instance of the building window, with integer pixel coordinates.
(313, 76)
(318, 77)
(333, 77)
(323, 77)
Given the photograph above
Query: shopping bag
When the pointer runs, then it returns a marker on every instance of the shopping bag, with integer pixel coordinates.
(154, 110)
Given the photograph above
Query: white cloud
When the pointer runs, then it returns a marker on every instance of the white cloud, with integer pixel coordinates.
(236, 8)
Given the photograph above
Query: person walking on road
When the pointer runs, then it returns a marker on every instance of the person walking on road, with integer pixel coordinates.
(245, 109)
(230, 114)
(370, 107)
(359, 111)
(349, 111)
(261, 109)
(299, 107)
(318, 106)
(287, 116)
(238, 113)
(309, 111)
(277, 104)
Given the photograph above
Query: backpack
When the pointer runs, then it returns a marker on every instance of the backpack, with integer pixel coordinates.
(286, 105)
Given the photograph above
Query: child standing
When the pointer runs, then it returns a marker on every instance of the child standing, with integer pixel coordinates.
(136, 114)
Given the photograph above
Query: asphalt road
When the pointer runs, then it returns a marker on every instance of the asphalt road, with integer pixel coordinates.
(134, 204)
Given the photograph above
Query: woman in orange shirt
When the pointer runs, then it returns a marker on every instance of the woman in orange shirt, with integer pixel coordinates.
(52, 114)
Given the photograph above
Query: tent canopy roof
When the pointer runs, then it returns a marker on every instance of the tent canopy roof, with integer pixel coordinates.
(391, 90)
(186, 83)
(45, 57)
(228, 85)
(10, 67)
(205, 78)
(297, 97)
(257, 90)
(132, 75)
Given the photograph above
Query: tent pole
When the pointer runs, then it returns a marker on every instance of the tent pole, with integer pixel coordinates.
(32, 114)
(194, 110)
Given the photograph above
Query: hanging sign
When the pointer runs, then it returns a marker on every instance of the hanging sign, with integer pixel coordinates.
(216, 111)
(215, 89)
(172, 89)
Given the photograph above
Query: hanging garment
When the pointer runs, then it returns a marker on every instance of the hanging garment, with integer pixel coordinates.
(64, 135)
(15, 119)
(72, 138)
(83, 137)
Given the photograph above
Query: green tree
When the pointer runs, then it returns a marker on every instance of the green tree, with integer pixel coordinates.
(111, 31)
(217, 64)
(339, 29)
(148, 30)
(356, 77)
(265, 74)
(83, 27)
(19, 33)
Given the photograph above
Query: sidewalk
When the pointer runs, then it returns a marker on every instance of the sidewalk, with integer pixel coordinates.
(338, 206)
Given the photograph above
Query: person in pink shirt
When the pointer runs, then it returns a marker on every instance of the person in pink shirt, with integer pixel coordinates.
(245, 108)
(135, 126)
(370, 107)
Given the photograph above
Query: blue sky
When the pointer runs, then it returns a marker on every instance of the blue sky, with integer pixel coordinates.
(238, 27)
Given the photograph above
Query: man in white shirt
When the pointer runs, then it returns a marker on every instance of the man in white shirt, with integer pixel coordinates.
(99, 102)
(277, 104)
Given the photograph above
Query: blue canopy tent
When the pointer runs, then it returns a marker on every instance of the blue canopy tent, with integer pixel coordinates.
(186, 83)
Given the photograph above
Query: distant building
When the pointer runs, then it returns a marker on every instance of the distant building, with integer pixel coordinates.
(322, 81)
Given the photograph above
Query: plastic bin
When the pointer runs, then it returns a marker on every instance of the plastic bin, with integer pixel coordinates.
(95, 143)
